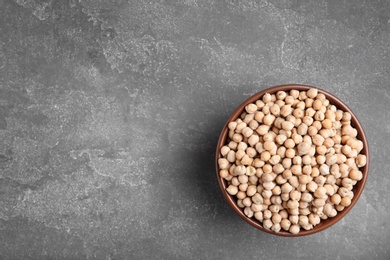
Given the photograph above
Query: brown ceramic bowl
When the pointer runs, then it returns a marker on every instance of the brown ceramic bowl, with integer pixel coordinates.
(358, 188)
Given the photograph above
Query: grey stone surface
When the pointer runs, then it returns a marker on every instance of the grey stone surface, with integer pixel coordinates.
(110, 113)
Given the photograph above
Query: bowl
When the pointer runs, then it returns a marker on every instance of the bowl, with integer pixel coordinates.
(358, 188)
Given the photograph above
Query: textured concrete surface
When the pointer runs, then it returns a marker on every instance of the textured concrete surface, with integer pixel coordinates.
(110, 112)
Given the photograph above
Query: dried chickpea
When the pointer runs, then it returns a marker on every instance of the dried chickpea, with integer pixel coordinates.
(232, 190)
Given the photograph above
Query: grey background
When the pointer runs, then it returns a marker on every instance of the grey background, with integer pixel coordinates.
(110, 112)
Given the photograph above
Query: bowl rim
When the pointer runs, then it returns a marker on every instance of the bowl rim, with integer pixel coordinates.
(358, 188)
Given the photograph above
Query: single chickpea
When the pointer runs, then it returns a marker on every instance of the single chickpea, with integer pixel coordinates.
(295, 195)
(240, 127)
(315, 172)
(281, 152)
(253, 124)
(247, 202)
(312, 130)
(257, 198)
(241, 195)
(242, 178)
(346, 201)
(293, 204)
(309, 102)
(321, 150)
(343, 192)
(303, 148)
(304, 211)
(276, 227)
(294, 181)
(285, 224)
(320, 192)
(237, 138)
(240, 154)
(233, 145)
(287, 162)
(312, 186)
(242, 146)
(301, 187)
(298, 112)
(326, 123)
(251, 152)
(294, 219)
(225, 150)
(265, 156)
(317, 124)
(297, 160)
(231, 156)
(308, 119)
(347, 183)
(256, 207)
(286, 188)
(280, 180)
(287, 125)
(296, 170)
(275, 110)
(329, 114)
(320, 180)
(223, 163)
(240, 170)
(281, 95)
(262, 129)
(312, 92)
(335, 199)
(268, 119)
(267, 177)
(251, 108)
(346, 117)
(306, 197)
(329, 189)
(276, 218)
(269, 185)
(267, 223)
(318, 203)
(253, 140)
(290, 153)
(248, 212)
(232, 125)
(259, 216)
(339, 208)
(247, 132)
(361, 160)
(302, 129)
(260, 104)
(289, 143)
(259, 147)
(339, 114)
(232, 190)
(275, 159)
(268, 145)
(243, 186)
(278, 168)
(355, 175)
(331, 159)
(285, 197)
(276, 190)
(317, 104)
(248, 118)
(302, 95)
(284, 132)
(304, 179)
(223, 173)
(267, 98)
(266, 194)
(239, 203)
(280, 139)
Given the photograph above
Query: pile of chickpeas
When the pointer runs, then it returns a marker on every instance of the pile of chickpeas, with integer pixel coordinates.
(291, 160)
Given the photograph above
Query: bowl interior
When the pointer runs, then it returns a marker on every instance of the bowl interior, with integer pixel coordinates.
(358, 188)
